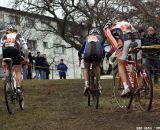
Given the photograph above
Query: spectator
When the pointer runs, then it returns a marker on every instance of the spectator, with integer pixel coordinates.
(46, 66)
(43, 66)
(30, 66)
(38, 65)
(142, 34)
(152, 57)
(62, 69)
(24, 65)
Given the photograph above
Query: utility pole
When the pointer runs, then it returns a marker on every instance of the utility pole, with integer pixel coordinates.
(73, 64)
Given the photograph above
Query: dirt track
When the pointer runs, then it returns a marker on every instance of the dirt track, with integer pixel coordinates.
(60, 105)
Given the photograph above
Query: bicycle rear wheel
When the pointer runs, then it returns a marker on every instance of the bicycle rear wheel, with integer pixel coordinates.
(10, 97)
(122, 102)
(93, 91)
(89, 97)
(95, 97)
(145, 95)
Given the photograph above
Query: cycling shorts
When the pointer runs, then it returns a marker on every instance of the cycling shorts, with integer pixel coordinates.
(93, 52)
(13, 53)
(122, 52)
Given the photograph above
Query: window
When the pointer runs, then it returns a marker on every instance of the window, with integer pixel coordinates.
(59, 50)
(14, 20)
(32, 44)
(45, 45)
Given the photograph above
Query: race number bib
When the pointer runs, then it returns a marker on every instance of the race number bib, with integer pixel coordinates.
(92, 38)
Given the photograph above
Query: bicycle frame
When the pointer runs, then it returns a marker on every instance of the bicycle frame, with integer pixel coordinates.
(132, 78)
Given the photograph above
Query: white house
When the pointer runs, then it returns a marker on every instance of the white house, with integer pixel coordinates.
(46, 43)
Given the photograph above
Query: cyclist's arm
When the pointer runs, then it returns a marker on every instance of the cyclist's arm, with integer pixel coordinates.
(82, 49)
(111, 39)
(3, 40)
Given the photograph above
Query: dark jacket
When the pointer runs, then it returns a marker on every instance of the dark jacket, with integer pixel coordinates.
(39, 62)
(31, 58)
(46, 66)
(151, 40)
(62, 69)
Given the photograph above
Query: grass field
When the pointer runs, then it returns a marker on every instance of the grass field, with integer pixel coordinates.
(60, 105)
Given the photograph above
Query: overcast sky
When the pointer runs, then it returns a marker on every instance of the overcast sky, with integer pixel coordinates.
(6, 3)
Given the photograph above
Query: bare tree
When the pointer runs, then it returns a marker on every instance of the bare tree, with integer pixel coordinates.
(75, 18)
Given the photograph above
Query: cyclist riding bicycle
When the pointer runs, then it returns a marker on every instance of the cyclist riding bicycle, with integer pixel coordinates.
(121, 34)
(93, 46)
(12, 42)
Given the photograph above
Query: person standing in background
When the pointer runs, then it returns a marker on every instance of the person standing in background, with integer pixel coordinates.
(30, 66)
(62, 68)
(37, 65)
(46, 68)
(152, 55)
(24, 64)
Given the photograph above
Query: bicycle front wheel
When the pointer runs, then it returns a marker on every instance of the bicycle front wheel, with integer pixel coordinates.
(145, 95)
(10, 96)
(122, 102)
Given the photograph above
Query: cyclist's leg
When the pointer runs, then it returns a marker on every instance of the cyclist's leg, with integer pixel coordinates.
(18, 71)
(121, 66)
(16, 57)
(122, 70)
(86, 75)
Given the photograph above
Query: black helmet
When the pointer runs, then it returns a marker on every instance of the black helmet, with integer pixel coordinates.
(94, 31)
(11, 28)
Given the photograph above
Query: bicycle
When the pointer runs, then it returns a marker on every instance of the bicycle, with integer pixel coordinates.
(139, 81)
(11, 95)
(93, 90)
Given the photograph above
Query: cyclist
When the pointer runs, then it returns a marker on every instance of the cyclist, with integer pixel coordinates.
(12, 42)
(93, 46)
(121, 34)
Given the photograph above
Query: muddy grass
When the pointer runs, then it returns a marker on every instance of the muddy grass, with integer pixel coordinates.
(60, 105)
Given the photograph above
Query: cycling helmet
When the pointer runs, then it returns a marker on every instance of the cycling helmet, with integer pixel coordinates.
(94, 31)
(11, 28)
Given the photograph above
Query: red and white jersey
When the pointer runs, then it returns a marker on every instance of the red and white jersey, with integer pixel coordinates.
(124, 26)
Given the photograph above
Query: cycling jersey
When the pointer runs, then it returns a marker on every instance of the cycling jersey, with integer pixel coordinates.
(93, 47)
(124, 26)
(11, 43)
(120, 35)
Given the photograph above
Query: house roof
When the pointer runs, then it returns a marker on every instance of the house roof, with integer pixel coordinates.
(24, 13)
